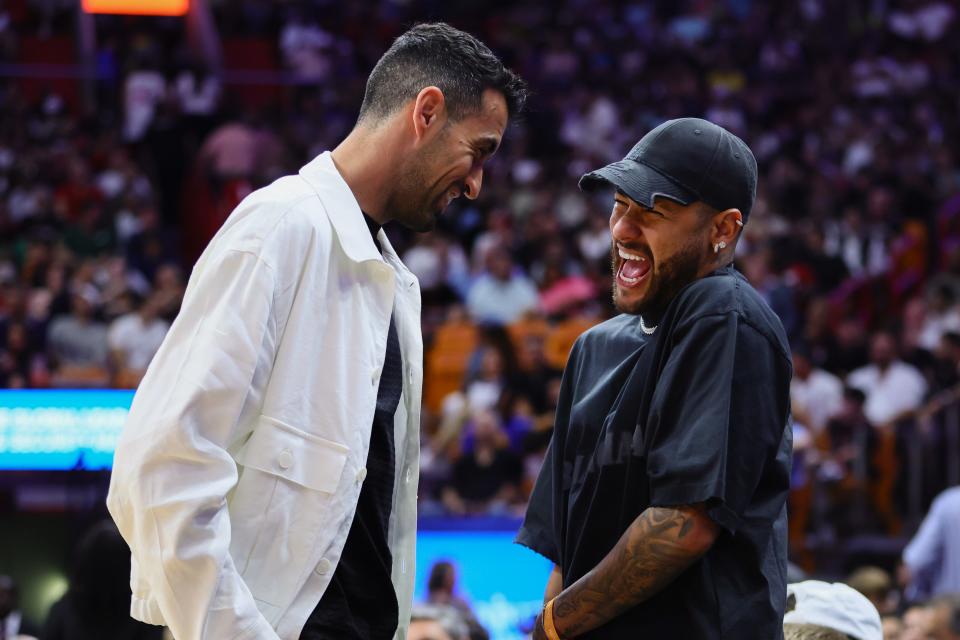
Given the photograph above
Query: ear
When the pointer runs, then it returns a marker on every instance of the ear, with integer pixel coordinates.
(429, 112)
(726, 226)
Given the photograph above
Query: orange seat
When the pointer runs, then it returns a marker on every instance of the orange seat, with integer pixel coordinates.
(70, 376)
(530, 327)
(447, 360)
(561, 339)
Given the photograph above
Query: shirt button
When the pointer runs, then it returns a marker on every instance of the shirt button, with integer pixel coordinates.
(406, 476)
(285, 459)
(361, 475)
(323, 567)
(375, 375)
(410, 375)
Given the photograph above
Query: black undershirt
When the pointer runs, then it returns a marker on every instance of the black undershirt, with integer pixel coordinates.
(361, 602)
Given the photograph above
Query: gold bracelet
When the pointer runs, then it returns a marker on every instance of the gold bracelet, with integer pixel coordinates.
(548, 627)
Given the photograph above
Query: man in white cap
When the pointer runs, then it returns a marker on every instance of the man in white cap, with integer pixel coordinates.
(831, 606)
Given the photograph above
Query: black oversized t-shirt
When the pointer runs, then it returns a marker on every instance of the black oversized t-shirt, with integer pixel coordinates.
(696, 413)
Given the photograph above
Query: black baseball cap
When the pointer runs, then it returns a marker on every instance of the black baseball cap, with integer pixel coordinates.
(686, 160)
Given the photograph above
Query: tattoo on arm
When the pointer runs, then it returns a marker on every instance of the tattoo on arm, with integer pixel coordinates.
(659, 545)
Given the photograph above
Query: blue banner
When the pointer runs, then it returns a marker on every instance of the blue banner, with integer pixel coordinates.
(50, 430)
(502, 581)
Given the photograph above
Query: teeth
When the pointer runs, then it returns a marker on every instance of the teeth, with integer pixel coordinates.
(628, 256)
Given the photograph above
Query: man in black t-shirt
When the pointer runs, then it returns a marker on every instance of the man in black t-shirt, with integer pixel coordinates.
(662, 499)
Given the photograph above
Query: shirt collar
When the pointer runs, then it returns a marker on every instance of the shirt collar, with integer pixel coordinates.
(342, 209)
(347, 218)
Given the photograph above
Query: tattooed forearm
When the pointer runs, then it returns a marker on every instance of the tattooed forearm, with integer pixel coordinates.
(654, 550)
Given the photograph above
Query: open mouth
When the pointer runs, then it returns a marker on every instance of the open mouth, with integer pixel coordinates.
(633, 268)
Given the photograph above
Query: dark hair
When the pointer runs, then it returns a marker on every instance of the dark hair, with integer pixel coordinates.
(855, 395)
(439, 574)
(436, 54)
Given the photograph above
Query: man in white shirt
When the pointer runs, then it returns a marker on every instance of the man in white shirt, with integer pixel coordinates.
(931, 562)
(815, 395)
(893, 387)
(503, 293)
(135, 337)
(283, 407)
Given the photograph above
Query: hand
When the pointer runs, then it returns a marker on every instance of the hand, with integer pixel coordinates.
(539, 633)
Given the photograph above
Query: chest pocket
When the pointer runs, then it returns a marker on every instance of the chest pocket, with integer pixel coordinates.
(299, 457)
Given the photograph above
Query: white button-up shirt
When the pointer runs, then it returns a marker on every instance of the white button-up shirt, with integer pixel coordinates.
(901, 387)
(237, 474)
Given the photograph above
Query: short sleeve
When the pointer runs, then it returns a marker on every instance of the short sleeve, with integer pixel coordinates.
(717, 425)
(541, 530)
(538, 531)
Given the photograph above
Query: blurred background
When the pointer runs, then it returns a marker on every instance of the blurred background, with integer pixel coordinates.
(126, 140)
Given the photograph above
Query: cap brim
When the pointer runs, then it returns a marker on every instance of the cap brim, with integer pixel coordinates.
(640, 182)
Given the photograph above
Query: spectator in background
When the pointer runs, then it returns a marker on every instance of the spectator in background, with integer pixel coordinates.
(820, 607)
(876, 585)
(917, 623)
(97, 603)
(134, 339)
(931, 562)
(845, 349)
(143, 89)
(487, 478)
(12, 622)
(942, 317)
(198, 95)
(946, 363)
(436, 623)
(441, 593)
(151, 246)
(892, 627)
(847, 465)
(168, 288)
(945, 617)
(22, 365)
(77, 342)
(503, 293)
(815, 395)
(938, 619)
(492, 376)
(893, 388)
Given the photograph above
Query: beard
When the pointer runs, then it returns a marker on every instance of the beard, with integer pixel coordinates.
(415, 202)
(409, 203)
(666, 281)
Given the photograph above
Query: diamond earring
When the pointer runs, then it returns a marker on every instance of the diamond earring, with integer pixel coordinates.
(718, 246)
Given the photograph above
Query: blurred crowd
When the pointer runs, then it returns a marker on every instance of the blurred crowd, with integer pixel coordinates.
(107, 195)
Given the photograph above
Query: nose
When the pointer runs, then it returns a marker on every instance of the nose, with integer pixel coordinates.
(625, 228)
(473, 182)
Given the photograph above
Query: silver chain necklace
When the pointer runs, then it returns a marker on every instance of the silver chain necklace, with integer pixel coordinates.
(647, 330)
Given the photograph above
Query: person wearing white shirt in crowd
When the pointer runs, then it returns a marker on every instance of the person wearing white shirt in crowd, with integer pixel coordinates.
(135, 337)
(503, 293)
(943, 316)
(931, 562)
(266, 477)
(815, 395)
(893, 387)
(143, 89)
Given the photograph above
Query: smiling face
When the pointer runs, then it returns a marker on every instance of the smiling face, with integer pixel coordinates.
(448, 166)
(656, 252)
